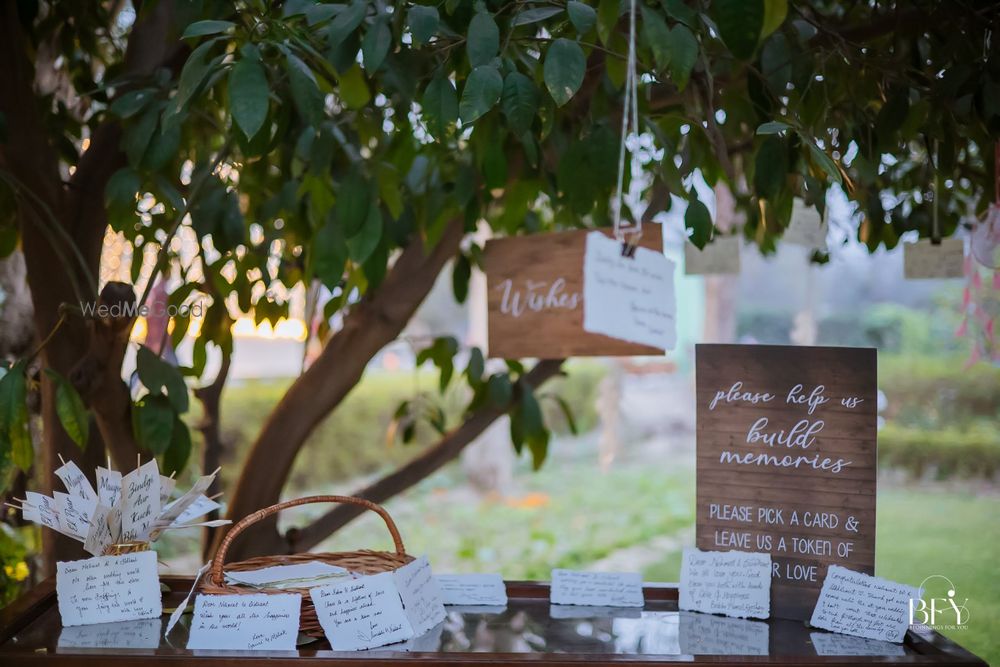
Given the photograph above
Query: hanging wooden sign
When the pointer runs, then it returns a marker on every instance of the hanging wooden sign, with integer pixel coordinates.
(786, 440)
(535, 297)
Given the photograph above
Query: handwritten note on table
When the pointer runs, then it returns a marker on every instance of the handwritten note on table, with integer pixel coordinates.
(420, 595)
(126, 634)
(859, 604)
(596, 589)
(362, 613)
(472, 589)
(733, 583)
(108, 588)
(831, 643)
(704, 634)
(256, 622)
(628, 298)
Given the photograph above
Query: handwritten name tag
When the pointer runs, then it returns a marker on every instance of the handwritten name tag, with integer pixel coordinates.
(859, 604)
(257, 622)
(420, 595)
(806, 227)
(628, 298)
(141, 489)
(596, 589)
(704, 634)
(109, 486)
(733, 583)
(108, 588)
(76, 482)
(362, 613)
(472, 589)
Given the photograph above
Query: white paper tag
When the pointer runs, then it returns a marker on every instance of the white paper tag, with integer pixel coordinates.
(734, 583)
(859, 604)
(420, 595)
(300, 574)
(596, 589)
(123, 634)
(201, 506)
(704, 634)
(176, 509)
(831, 643)
(176, 614)
(362, 613)
(721, 256)
(75, 513)
(141, 495)
(75, 481)
(167, 486)
(109, 486)
(472, 589)
(628, 298)
(923, 259)
(256, 622)
(99, 535)
(806, 227)
(106, 589)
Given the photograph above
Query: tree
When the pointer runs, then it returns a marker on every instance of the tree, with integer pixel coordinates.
(355, 145)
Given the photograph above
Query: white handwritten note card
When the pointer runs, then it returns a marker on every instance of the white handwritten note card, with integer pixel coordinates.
(256, 622)
(596, 589)
(854, 603)
(923, 259)
(362, 613)
(108, 589)
(720, 256)
(420, 594)
(628, 298)
(472, 589)
(734, 583)
(704, 634)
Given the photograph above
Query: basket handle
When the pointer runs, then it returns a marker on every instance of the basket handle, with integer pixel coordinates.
(250, 519)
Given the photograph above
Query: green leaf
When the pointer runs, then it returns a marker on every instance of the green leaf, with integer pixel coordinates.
(305, 91)
(740, 23)
(460, 274)
(770, 167)
(153, 423)
(481, 93)
(608, 12)
(353, 199)
(132, 103)
(439, 106)
(179, 450)
(774, 15)
(354, 88)
(678, 11)
(202, 28)
(361, 245)
(248, 95)
(70, 409)
(535, 15)
(698, 221)
(329, 253)
(192, 75)
(564, 68)
(476, 367)
(138, 136)
(683, 48)
(531, 412)
(14, 416)
(375, 45)
(656, 34)
(347, 21)
(423, 22)
(582, 16)
(520, 101)
(824, 161)
(120, 194)
(773, 127)
(567, 414)
(499, 389)
(483, 41)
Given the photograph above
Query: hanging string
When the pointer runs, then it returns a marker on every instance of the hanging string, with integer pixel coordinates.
(935, 228)
(627, 233)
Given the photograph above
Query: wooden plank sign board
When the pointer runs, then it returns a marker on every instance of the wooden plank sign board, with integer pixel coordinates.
(535, 297)
(786, 440)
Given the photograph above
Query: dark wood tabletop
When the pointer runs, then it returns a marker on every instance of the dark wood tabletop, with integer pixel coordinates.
(527, 630)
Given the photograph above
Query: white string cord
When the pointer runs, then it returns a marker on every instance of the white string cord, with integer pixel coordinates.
(630, 125)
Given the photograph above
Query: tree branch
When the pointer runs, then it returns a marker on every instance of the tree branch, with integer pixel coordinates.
(427, 463)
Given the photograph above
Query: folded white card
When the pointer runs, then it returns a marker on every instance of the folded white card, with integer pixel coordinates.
(108, 588)
(420, 595)
(254, 622)
(472, 589)
(629, 298)
(596, 589)
(299, 573)
(704, 634)
(859, 604)
(362, 613)
(734, 583)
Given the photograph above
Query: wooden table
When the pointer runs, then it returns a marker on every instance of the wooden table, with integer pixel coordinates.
(528, 630)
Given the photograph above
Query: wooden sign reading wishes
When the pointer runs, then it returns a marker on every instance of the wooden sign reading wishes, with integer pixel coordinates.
(787, 461)
(535, 297)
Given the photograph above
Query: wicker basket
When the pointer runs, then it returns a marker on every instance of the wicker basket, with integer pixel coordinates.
(359, 562)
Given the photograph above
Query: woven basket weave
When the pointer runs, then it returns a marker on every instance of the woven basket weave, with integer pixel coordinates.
(359, 562)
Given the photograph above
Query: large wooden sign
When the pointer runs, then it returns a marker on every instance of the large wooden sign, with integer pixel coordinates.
(535, 297)
(787, 461)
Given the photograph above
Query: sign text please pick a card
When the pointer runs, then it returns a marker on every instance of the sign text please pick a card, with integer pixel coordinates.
(535, 288)
(786, 451)
(107, 589)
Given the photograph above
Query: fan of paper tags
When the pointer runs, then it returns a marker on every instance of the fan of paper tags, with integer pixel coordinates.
(125, 509)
